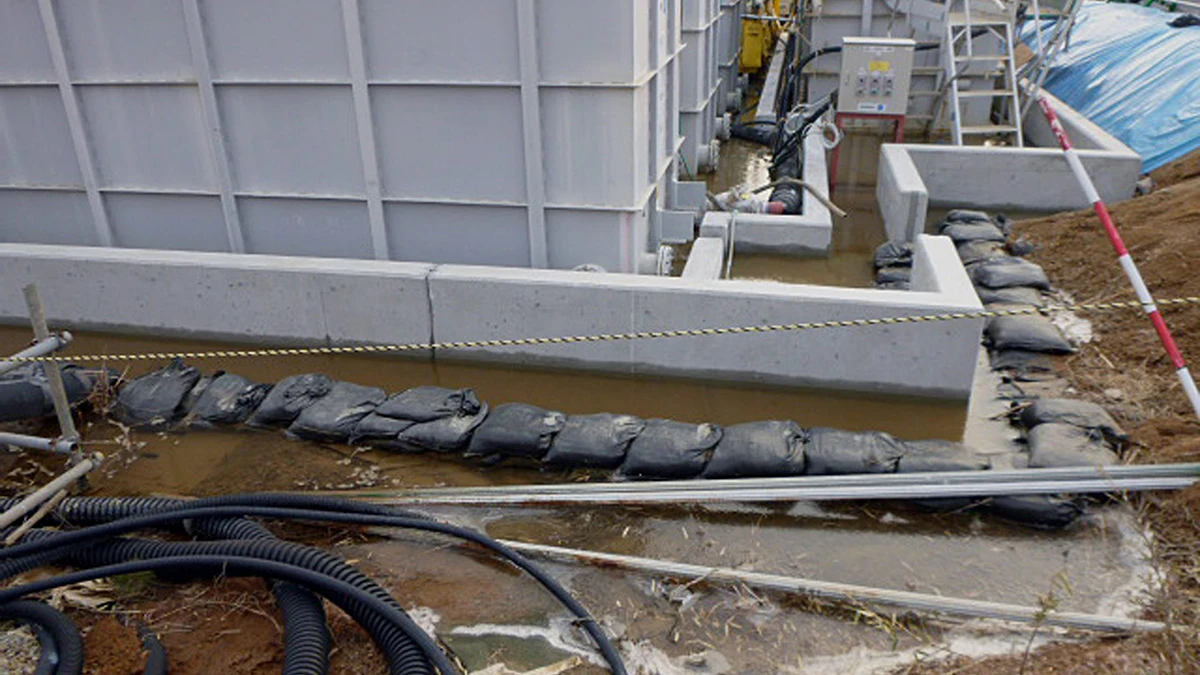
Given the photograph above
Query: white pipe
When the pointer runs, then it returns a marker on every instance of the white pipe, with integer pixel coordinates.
(39, 348)
(1121, 471)
(48, 490)
(828, 590)
(64, 445)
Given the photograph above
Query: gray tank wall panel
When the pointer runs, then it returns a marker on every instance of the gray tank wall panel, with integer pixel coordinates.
(355, 128)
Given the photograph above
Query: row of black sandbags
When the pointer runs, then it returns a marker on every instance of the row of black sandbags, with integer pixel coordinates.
(435, 419)
(1002, 279)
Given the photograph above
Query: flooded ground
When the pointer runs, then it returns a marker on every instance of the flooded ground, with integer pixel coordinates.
(669, 628)
(854, 237)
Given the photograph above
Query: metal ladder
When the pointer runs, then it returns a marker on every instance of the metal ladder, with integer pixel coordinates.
(962, 63)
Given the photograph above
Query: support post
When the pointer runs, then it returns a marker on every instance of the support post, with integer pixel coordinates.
(62, 407)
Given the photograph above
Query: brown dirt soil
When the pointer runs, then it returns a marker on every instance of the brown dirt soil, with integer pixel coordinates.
(228, 626)
(1126, 370)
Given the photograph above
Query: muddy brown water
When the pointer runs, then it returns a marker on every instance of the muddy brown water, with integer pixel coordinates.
(854, 237)
(488, 614)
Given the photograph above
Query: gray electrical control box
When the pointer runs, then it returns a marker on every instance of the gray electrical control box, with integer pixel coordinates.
(876, 73)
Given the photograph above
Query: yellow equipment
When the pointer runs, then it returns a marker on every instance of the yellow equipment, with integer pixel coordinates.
(758, 34)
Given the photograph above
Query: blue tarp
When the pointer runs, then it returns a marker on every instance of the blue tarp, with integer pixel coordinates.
(1133, 75)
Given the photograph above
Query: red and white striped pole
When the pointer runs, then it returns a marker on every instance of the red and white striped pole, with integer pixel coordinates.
(1127, 264)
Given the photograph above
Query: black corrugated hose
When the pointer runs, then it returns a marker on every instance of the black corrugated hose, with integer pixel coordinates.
(58, 637)
(311, 508)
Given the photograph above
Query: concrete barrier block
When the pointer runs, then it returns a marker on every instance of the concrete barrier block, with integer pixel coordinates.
(901, 194)
(471, 303)
(715, 224)
(886, 358)
(1035, 179)
(218, 295)
(706, 259)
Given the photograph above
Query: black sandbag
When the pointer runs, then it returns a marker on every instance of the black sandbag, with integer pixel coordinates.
(25, 391)
(1014, 295)
(670, 450)
(1064, 445)
(894, 254)
(961, 233)
(447, 434)
(1009, 272)
(1045, 511)
(1021, 247)
(1083, 414)
(835, 452)
(23, 400)
(379, 431)
(1020, 361)
(758, 450)
(333, 417)
(1004, 223)
(972, 252)
(889, 274)
(937, 455)
(290, 397)
(966, 216)
(428, 403)
(894, 285)
(154, 399)
(225, 399)
(517, 430)
(594, 441)
(1028, 333)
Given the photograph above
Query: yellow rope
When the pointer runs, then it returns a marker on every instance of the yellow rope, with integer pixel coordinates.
(605, 337)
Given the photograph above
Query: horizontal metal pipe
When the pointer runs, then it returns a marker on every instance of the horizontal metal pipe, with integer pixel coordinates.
(39, 348)
(702, 493)
(50, 489)
(856, 480)
(63, 445)
(850, 593)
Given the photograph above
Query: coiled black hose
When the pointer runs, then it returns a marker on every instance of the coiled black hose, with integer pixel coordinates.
(306, 646)
(307, 616)
(98, 532)
(59, 638)
(304, 618)
(337, 591)
(403, 655)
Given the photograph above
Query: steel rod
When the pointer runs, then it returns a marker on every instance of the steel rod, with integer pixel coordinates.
(703, 493)
(62, 407)
(66, 480)
(39, 348)
(63, 445)
(932, 478)
(850, 593)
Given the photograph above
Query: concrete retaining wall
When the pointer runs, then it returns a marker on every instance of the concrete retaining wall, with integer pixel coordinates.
(1031, 179)
(913, 177)
(266, 299)
(1084, 133)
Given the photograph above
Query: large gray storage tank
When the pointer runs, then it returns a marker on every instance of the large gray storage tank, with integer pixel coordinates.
(502, 132)
(701, 122)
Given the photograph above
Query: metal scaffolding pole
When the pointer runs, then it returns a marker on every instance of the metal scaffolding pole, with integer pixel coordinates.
(817, 488)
